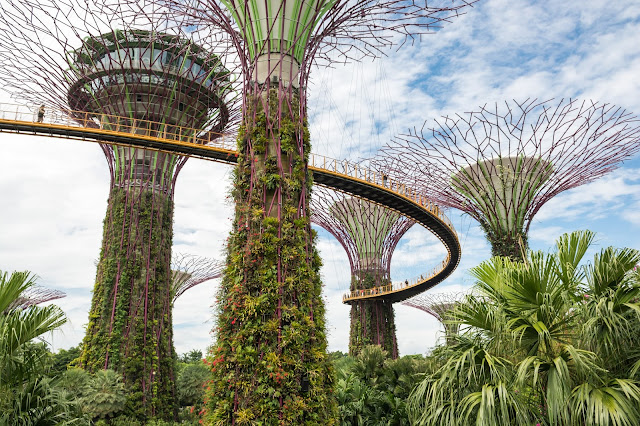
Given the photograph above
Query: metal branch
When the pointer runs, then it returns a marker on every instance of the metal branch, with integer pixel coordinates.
(435, 304)
(187, 271)
(501, 163)
(439, 305)
(369, 233)
(34, 296)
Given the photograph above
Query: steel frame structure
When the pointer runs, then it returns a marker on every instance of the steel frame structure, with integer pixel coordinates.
(188, 271)
(124, 74)
(369, 233)
(271, 249)
(501, 163)
(34, 296)
(438, 305)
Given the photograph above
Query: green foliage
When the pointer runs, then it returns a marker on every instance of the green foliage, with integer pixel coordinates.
(100, 396)
(372, 389)
(105, 395)
(545, 340)
(130, 421)
(191, 357)
(40, 402)
(191, 382)
(62, 359)
(26, 396)
(129, 327)
(75, 381)
(269, 361)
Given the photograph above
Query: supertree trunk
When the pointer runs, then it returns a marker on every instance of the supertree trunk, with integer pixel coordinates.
(369, 234)
(269, 360)
(373, 323)
(506, 244)
(130, 327)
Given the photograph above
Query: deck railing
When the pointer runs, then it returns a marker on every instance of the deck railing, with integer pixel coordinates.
(118, 124)
(397, 286)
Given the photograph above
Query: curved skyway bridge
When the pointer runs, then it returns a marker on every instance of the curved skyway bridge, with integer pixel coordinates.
(340, 175)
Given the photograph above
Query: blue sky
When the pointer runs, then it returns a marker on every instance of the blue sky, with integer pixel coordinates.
(54, 191)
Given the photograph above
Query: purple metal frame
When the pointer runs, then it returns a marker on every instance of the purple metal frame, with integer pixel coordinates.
(575, 141)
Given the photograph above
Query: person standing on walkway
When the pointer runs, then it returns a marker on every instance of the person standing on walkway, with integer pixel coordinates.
(41, 114)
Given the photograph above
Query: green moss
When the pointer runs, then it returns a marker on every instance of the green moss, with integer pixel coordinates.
(269, 361)
(129, 326)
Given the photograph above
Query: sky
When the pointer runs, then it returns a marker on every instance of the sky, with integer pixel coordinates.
(54, 191)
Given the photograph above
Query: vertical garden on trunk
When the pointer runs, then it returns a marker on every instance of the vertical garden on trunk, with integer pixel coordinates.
(130, 317)
(269, 362)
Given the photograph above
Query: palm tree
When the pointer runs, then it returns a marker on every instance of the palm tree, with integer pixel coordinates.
(531, 350)
(26, 396)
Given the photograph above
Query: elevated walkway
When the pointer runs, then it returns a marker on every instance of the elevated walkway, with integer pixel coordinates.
(340, 175)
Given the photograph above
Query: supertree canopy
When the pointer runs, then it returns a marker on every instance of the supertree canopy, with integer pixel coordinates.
(188, 271)
(269, 361)
(438, 305)
(119, 75)
(500, 164)
(34, 296)
(369, 234)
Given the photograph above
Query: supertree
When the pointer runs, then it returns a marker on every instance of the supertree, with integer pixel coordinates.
(34, 296)
(438, 305)
(188, 271)
(269, 360)
(122, 74)
(369, 234)
(501, 163)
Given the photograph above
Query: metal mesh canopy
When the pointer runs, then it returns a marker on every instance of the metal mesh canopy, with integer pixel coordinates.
(79, 55)
(119, 73)
(146, 75)
(188, 271)
(326, 31)
(501, 163)
(368, 232)
(34, 296)
(435, 304)
(439, 305)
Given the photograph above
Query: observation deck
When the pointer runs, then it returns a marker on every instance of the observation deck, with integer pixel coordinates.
(340, 175)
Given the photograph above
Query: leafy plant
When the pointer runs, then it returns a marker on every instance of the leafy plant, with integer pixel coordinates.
(546, 340)
(26, 396)
(372, 388)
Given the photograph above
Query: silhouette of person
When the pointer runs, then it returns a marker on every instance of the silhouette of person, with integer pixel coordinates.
(41, 114)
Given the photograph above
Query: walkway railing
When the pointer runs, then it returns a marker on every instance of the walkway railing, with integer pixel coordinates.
(178, 135)
(118, 124)
(397, 286)
(355, 171)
